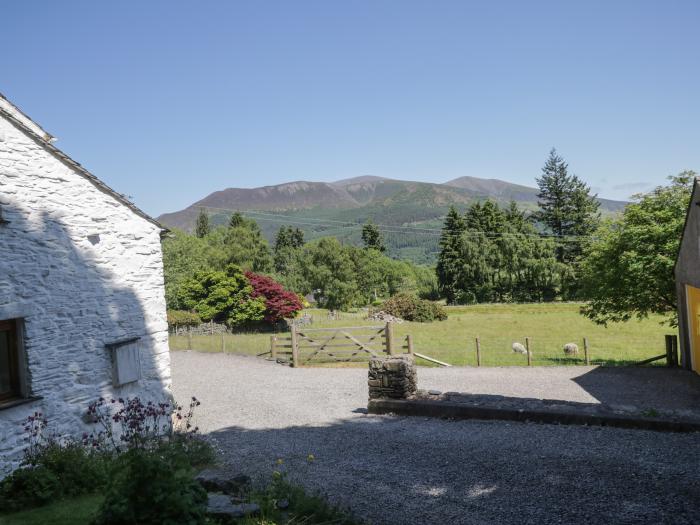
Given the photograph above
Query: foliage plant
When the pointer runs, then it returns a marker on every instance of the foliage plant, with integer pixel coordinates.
(411, 308)
(567, 208)
(224, 296)
(148, 487)
(279, 303)
(202, 227)
(492, 254)
(372, 237)
(627, 271)
(159, 436)
(183, 318)
(52, 468)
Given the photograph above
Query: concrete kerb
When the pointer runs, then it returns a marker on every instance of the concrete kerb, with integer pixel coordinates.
(453, 410)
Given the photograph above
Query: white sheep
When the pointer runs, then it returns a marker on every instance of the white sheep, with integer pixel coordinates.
(518, 348)
(571, 349)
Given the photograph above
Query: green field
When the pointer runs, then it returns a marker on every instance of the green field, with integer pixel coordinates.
(548, 326)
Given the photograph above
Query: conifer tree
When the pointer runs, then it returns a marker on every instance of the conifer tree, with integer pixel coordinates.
(202, 226)
(449, 263)
(372, 237)
(236, 220)
(567, 209)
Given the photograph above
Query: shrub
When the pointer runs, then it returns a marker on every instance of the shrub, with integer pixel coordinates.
(147, 487)
(162, 434)
(183, 318)
(279, 302)
(51, 469)
(411, 308)
(29, 487)
(225, 297)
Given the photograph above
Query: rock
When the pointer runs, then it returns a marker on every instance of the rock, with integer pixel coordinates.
(283, 504)
(217, 481)
(381, 315)
(221, 506)
(434, 392)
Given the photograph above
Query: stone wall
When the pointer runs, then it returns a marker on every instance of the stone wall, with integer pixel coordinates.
(80, 270)
(392, 377)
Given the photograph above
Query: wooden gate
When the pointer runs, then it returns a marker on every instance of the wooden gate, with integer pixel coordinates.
(341, 344)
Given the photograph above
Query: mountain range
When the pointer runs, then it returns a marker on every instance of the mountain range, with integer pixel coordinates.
(407, 211)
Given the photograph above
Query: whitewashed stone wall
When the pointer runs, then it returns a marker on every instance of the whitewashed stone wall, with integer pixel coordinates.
(82, 270)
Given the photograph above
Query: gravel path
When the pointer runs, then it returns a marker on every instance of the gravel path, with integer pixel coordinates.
(392, 470)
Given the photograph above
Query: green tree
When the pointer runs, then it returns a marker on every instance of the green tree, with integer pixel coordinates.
(236, 220)
(202, 228)
(372, 237)
(567, 209)
(330, 273)
(183, 255)
(449, 263)
(224, 296)
(628, 266)
(242, 245)
(288, 242)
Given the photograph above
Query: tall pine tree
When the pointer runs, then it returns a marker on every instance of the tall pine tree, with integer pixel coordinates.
(567, 208)
(449, 265)
(372, 237)
(202, 228)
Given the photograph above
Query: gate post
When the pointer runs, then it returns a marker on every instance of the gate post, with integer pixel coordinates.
(295, 347)
(409, 343)
(273, 347)
(529, 354)
(671, 350)
(389, 339)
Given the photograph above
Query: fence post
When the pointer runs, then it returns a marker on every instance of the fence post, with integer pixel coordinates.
(674, 351)
(529, 354)
(189, 339)
(295, 347)
(478, 352)
(389, 339)
(585, 351)
(671, 350)
(273, 346)
(211, 327)
(409, 343)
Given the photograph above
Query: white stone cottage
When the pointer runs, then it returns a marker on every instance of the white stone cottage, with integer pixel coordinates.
(82, 305)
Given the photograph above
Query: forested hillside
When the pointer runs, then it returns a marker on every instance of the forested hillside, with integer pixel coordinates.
(410, 214)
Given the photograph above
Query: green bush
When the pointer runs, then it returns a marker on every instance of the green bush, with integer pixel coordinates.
(29, 487)
(152, 488)
(302, 507)
(183, 318)
(411, 308)
(53, 471)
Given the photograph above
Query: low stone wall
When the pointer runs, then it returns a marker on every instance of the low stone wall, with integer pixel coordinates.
(392, 377)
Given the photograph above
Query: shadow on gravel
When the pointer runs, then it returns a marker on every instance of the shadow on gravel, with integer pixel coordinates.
(393, 470)
(654, 388)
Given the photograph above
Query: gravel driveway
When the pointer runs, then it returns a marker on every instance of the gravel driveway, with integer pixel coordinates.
(394, 470)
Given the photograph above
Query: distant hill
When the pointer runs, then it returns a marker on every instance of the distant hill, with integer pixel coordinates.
(339, 208)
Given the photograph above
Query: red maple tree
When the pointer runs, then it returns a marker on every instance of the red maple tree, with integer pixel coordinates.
(279, 302)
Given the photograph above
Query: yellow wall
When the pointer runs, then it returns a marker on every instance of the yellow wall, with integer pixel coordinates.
(693, 298)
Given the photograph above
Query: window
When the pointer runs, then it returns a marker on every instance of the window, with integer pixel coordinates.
(10, 384)
(126, 363)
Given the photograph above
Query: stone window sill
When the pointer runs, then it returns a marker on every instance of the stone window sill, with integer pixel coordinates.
(9, 403)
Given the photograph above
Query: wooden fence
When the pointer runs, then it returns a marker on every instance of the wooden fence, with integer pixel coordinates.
(343, 344)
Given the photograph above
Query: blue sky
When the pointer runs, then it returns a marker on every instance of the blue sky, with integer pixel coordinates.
(168, 101)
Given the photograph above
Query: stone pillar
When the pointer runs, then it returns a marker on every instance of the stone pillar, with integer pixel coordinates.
(392, 377)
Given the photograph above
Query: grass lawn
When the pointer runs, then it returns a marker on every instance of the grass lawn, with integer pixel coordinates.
(68, 512)
(549, 327)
